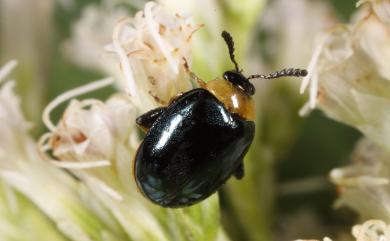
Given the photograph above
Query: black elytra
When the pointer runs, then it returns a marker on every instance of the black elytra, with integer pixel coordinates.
(196, 143)
(191, 150)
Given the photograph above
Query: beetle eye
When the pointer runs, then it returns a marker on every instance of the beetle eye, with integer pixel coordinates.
(226, 76)
(238, 80)
(250, 89)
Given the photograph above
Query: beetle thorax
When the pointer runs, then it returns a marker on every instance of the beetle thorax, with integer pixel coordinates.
(234, 99)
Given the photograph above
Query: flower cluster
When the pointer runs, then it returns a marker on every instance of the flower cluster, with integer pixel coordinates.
(349, 80)
(380, 7)
(349, 76)
(151, 49)
(364, 185)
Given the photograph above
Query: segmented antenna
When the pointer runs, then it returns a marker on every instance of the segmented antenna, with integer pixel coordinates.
(281, 73)
(230, 43)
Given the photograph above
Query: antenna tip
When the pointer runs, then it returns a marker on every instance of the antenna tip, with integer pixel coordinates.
(226, 35)
(303, 72)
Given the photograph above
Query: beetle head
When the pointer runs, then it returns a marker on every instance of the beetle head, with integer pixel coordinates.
(235, 76)
(240, 81)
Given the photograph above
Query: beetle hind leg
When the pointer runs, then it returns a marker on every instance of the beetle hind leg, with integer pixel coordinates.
(146, 120)
(239, 172)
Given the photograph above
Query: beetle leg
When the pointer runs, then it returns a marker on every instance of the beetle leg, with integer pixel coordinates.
(156, 98)
(146, 120)
(193, 76)
(239, 172)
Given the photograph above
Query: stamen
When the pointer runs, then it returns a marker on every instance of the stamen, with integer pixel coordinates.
(157, 38)
(81, 165)
(348, 177)
(127, 71)
(7, 68)
(313, 91)
(312, 64)
(361, 2)
(304, 111)
(105, 188)
(71, 94)
(43, 146)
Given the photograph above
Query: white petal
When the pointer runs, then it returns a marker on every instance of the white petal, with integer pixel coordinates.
(81, 165)
(71, 94)
(7, 68)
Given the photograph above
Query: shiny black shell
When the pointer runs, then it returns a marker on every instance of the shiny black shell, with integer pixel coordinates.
(191, 150)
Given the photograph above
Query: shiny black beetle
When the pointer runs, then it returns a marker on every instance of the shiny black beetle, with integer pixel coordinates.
(197, 142)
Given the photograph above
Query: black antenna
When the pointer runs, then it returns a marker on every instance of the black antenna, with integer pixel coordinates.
(281, 73)
(230, 43)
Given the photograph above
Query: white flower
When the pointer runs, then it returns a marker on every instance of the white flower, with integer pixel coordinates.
(93, 133)
(147, 51)
(90, 33)
(349, 77)
(364, 186)
(53, 191)
(380, 7)
(372, 230)
(33, 226)
(151, 48)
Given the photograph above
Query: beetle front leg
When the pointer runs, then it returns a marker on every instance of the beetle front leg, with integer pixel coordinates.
(193, 76)
(146, 120)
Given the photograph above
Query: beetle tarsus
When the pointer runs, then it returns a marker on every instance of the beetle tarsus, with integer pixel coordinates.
(147, 119)
(239, 172)
(193, 76)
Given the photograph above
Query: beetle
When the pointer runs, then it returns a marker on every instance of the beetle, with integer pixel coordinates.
(198, 141)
